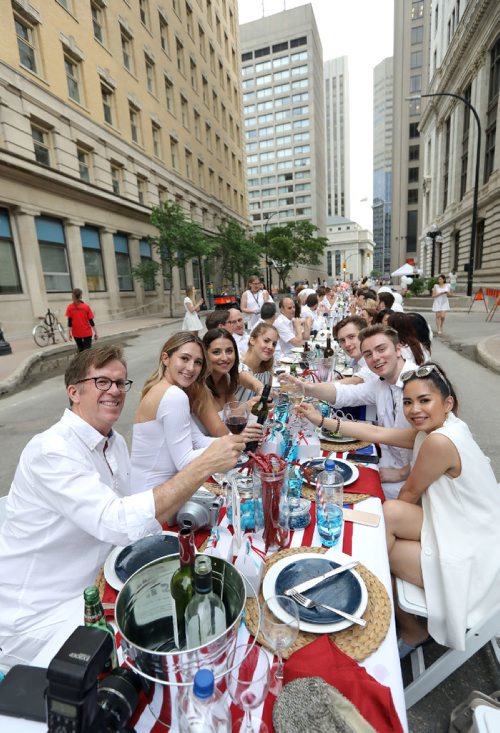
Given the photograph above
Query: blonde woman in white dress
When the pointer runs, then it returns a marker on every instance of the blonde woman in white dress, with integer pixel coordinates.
(191, 319)
(440, 293)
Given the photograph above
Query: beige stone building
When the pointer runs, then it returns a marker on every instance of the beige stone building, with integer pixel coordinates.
(108, 107)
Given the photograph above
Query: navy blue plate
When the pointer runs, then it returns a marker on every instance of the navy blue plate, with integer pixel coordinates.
(316, 465)
(342, 591)
(140, 553)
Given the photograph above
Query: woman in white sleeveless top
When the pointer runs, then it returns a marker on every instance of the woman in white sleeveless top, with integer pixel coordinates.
(252, 300)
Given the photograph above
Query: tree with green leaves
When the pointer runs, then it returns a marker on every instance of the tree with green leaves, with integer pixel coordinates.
(291, 245)
(179, 240)
(238, 253)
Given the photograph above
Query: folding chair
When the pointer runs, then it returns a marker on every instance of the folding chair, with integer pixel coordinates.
(411, 598)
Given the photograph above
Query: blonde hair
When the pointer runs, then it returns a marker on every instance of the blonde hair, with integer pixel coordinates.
(174, 343)
(190, 291)
(260, 329)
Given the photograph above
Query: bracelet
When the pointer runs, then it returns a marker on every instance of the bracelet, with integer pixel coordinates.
(322, 421)
(337, 429)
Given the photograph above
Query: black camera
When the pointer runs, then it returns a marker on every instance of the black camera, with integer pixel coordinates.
(76, 703)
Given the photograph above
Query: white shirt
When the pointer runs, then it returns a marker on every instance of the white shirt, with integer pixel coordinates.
(242, 342)
(360, 370)
(317, 320)
(286, 333)
(69, 503)
(388, 399)
(163, 446)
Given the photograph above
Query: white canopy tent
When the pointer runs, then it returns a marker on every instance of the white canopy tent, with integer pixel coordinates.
(405, 269)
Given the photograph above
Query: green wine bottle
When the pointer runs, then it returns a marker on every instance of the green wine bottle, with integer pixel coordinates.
(261, 411)
(182, 584)
(94, 616)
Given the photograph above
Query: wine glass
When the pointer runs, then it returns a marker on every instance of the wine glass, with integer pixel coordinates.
(236, 416)
(279, 632)
(248, 685)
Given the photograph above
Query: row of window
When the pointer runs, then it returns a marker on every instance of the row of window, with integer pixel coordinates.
(277, 48)
(277, 76)
(279, 89)
(281, 165)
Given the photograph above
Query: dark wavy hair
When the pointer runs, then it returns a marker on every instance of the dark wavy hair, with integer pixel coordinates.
(407, 335)
(212, 335)
(422, 329)
(439, 379)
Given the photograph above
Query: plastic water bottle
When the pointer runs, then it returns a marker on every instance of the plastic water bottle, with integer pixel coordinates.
(203, 709)
(329, 502)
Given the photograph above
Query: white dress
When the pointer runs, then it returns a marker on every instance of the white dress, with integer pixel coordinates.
(161, 447)
(254, 300)
(441, 302)
(191, 321)
(460, 540)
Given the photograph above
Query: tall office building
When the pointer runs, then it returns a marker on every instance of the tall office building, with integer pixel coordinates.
(411, 73)
(382, 164)
(337, 136)
(284, 120)
(106, 109)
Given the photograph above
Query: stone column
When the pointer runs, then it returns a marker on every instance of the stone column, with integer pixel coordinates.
(24, 222)
(109, 261)
(135, 259)
(75, 255)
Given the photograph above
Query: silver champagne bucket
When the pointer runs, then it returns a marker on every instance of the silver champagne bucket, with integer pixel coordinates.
(143, 615)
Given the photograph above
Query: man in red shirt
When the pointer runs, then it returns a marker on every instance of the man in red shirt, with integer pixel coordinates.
(80, 321)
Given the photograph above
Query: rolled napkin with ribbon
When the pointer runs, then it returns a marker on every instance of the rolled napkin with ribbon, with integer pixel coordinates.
(250, 563)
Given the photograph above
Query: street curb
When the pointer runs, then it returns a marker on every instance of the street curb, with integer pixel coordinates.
(484, 353)
(23, 371)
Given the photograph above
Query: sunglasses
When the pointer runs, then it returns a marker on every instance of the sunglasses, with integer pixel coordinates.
(423, 371)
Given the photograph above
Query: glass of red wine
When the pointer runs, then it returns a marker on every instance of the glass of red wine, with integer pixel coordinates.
(236, 416)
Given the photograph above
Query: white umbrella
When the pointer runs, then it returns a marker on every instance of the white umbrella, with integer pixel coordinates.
(405, 269)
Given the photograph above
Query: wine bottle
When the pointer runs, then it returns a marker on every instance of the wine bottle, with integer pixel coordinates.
(205, 615)
(182, 584)
(328, 351)
(306, 347)
(94, 616)
(260, 410)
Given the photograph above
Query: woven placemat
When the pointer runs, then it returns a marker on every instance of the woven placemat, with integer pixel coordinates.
(100, 582)
(309, 493)
(356, 641)
(214, 488)
(342, 447)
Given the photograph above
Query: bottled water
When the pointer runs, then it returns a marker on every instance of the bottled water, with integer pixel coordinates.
(329, 502)
(203, 709)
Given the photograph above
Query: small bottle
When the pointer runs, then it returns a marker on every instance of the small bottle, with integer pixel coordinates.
(205, 616)
(329, 502)
(328, 351)
(182, 584)
(260, 410)
(203, 709)
(306, 347)
(94, 616)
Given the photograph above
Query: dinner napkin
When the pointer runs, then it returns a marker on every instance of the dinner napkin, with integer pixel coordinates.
(368, 482)
(322, 658)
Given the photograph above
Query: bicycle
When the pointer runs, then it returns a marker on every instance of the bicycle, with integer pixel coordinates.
(48, 330)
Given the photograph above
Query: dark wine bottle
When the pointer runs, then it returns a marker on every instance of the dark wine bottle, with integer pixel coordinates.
(328, 351)
(261, 411)
(182, 584)
(306, 347)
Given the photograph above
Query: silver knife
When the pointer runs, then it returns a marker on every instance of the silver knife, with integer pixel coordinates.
(308, 584)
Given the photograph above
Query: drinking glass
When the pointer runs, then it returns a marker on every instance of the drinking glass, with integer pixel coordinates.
(279, 632)
(248, 685)
(236, 416)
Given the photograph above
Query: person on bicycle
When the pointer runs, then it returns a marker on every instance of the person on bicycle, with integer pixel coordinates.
(80, 321)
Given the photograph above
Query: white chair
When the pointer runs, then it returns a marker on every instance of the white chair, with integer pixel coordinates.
(411, 598)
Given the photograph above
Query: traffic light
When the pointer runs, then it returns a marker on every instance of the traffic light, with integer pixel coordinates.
(344, 265)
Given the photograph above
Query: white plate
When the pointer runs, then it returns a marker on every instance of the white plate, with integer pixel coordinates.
(269, 584)
(297, 349)
(287, 360)
(352, 466)
(109, 565)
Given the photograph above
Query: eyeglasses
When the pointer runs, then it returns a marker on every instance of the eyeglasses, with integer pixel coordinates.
(423, 371)
(104, 383)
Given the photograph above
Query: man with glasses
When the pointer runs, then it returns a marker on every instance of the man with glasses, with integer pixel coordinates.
(235, 324)
(71, 501)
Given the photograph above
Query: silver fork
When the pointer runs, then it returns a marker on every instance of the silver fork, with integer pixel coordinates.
(309, 603)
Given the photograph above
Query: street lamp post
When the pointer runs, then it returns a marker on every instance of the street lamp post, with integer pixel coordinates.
(344, 262)
(472, 249)
(433, 236)
(269, 281)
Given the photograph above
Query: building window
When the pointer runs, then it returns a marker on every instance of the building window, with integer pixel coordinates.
(189, 164)
(84, 163)
(169, 96)
(196, 127)
(97, 21)
(135, 123)
(72, 70)
(411, 231)
(416, 83)
(107, 95)
(164, 34)
(189, 20)
(53, 254)
(416, 59)
(123, 266)
(184, 112)
(180, 56)
(41, 143)
(141, 190)
(417, 35)
(144, 12)
(150, 75)
(491, 114)
(413, 175)
(116, 178)
(194, 74)
(127, 51)
(465, 143)
(10, 282)
(413, 130)
(26, 45)
(417, 9)
(92, 256)
(156, 136)
(414, 152)
(412, 196)
(478, 254)
(174, 153)
(146, 256)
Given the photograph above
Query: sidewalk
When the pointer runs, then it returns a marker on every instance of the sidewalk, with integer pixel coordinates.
(468, 333)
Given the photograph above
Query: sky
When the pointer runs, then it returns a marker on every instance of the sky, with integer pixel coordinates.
(362, 30)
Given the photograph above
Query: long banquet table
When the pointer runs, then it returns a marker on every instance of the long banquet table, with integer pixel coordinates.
(367, 545)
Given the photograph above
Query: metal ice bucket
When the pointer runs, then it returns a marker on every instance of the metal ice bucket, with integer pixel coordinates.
(144, 620)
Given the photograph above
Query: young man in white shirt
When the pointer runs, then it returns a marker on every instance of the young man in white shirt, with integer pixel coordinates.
(347, 334)
(382, 352)
(292, 331)
(71, 501)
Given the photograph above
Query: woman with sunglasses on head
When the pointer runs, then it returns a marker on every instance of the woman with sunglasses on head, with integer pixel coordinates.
(258, 360)
(165, 438)
(443, 530)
